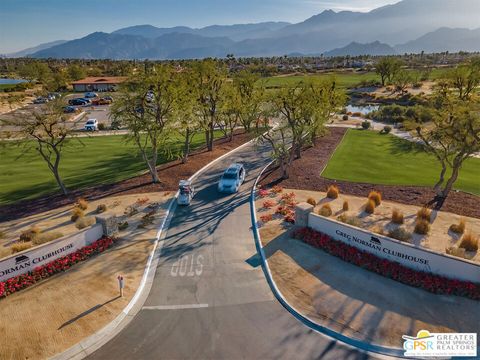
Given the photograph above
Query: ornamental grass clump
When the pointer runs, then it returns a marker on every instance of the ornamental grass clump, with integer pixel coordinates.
(422, 227)
(325, 210)
(311, 201)
(82, 203)
(401, 234)
(21, 246)
(30, 234)
(376, 197)
(370, 206)
(397, 217)
(84, 222)
(46, 237)
(350, 220)
(332, 192)
(458, 228)
(424, 214)
(77, 213)
(345, 206)
(469, 242)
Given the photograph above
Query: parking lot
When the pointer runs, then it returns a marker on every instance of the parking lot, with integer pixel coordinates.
(76, 120)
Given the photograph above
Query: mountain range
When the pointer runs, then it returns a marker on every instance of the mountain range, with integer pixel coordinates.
(409, 26)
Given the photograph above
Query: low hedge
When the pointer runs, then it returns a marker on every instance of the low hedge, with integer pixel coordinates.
(431, 282)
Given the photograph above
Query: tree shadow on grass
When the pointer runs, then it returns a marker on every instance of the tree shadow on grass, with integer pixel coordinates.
(399, 146)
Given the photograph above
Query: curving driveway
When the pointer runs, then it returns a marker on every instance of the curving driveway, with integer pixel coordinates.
(209, 297)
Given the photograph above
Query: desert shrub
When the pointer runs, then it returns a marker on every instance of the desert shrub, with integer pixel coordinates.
(386, 129)
(332, 192)
(376, 197)
(345, 117)
(21, 246)
(84, 222)
(311, 201)
(46, 237)
(422, 227)
(424, 214)
(82, 203)
(469, 242)
(350, 220)
(5, 251)
(101, 126)
(147, 219)
(400, 233)
(357, 114)
(130, 210)
(397, 216)
(366, 125)
(325, 210)
(2, 235)
(123, 225)
(30, 234)
(77, 213)
(458, 228)
(101, 208)
(345, 206)
(370, 206)
(142, 201)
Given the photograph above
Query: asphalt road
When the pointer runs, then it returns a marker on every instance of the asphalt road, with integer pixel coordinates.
(209, 298)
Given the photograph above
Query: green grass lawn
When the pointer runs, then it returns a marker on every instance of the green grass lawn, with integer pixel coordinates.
(368, 157)
(345, 79)
(101, 160)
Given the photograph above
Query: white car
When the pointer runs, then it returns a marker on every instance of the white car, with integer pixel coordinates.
(91, 125)
(232, 178)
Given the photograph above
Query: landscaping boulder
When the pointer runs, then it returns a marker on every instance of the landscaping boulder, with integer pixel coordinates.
(109, 223)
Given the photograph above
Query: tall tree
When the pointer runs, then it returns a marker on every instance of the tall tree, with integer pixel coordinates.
(251, 94)
(452, 137)
(146, 105)
(387, 68)
(208, 77)
(465, 78)
(48, 134)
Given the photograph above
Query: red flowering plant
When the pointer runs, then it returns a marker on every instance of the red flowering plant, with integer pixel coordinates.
(290, 217)
(277, 189)
(268, 204)
(20, 282)
(266, 218)
(263, 193)
(431, 282)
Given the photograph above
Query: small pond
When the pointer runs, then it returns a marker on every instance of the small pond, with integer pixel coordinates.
(11, 81)
(363, 109)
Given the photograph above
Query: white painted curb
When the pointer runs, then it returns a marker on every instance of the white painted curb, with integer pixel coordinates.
(90, 344)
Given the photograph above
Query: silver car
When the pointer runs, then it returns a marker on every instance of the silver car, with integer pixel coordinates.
(232, 178)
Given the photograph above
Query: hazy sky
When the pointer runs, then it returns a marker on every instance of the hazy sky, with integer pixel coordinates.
(25, 23)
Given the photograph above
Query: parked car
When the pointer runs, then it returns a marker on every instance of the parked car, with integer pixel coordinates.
(69, 109)
(90, 94)
(77, 102)
(91, 125)
(40, 100)
(101, 101)
(150, 96)
(231, 179)
(108, 98)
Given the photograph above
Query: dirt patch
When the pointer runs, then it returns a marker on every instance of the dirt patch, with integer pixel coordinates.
(169, 174)
(305, 174)
(356, 302)
(63, 310)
